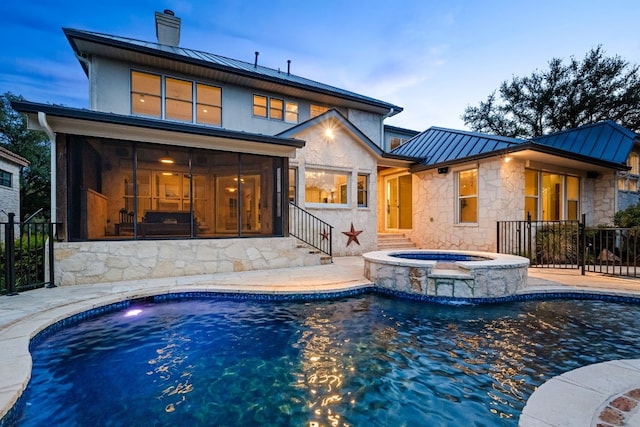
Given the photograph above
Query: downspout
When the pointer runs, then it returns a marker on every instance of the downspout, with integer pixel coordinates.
(42, 121)
(390, 113)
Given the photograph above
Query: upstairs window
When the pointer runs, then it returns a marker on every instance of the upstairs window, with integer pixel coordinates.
(5, 178)
(316, 110)
(146, 94)
(396, 142)
(175, 99)
(275, 109)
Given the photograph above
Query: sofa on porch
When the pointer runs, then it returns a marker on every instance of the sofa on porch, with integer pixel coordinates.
(166, 223)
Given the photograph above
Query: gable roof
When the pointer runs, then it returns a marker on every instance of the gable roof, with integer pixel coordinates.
(440, 145)
(337, 118)
(605, 140)
(213, 66)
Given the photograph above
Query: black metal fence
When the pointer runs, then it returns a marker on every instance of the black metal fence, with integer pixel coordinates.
(571, 245)
(25, 254)
(551, 244)
(310, 229)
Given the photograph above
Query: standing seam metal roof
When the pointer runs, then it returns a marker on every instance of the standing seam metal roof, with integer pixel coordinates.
(605, 140)
(228, 64)
(439, 145)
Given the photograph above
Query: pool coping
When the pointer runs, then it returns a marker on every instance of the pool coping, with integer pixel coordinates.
(24, 316)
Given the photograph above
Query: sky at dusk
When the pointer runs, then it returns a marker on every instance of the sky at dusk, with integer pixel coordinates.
(433, 58)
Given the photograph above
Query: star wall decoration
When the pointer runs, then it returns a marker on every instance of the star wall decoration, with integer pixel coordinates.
(353, 235)
(324, 234)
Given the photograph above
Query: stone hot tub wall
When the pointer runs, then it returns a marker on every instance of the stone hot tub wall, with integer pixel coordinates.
(78, 263)
(500, 276)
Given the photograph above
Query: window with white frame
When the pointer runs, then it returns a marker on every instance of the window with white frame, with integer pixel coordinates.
(327, 187)
(396, 142)
(363, 190)
(316, 110)
(155, 95)
(468, 196)
(275, 108)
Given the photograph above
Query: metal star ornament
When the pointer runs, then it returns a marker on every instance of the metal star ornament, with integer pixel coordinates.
(353, 235)
(324, 234)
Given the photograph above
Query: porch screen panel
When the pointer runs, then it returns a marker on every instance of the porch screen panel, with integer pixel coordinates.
(531, 189)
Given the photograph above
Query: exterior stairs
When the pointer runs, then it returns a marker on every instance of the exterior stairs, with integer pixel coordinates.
(313, 255)
(394, 241)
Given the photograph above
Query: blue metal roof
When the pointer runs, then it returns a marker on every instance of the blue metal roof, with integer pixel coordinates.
(439, 145)
(605, 140)
(222, 63)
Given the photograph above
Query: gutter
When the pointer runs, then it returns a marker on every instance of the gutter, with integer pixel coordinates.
(42, 121)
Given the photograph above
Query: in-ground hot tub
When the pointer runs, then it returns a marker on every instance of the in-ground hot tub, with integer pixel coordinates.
(447, 274)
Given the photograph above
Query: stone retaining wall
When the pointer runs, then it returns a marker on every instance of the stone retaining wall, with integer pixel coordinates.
(110, 261)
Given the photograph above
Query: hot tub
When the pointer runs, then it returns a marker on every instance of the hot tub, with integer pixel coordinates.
(450, 274)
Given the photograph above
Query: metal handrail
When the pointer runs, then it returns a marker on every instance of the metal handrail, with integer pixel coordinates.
(310, 229)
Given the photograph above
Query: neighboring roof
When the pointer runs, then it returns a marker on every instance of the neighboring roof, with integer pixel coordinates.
(440, 145)
(148, 124)
(81, 40)
(13, 157)
(605, 140)
(335, 115)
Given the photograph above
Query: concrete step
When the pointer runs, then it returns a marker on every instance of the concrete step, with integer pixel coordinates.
(388, 241)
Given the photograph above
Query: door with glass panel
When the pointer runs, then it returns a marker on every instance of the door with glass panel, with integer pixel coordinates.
(398, 202)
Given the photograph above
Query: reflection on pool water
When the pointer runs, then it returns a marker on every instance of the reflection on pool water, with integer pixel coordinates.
(364, 360)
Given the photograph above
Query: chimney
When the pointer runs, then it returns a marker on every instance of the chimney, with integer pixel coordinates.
(255, 64)
(168, 28)
(288, 67)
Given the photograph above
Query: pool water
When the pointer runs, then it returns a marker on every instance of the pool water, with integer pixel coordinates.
(365, 360)
(439, 256)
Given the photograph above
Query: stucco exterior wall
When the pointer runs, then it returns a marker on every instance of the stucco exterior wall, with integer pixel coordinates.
(342, 154)
(370, 124)
(500, 198)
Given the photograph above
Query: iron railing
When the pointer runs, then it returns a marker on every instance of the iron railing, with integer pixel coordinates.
(26, 252)
(551, 244)
(614, 251)
(310, 229)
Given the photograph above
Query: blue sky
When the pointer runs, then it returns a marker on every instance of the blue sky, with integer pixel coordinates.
(433, 58)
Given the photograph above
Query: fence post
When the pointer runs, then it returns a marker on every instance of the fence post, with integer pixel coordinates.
(583, 242)
(10, 259)
(529, 248)
(51, 283)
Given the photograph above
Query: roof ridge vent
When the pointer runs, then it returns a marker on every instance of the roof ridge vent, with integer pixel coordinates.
(167, 28)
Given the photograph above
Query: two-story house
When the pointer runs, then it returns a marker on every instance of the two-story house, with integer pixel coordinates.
(190, 163)
(185, 162)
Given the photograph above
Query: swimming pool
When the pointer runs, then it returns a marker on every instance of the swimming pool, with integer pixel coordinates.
(363, 360)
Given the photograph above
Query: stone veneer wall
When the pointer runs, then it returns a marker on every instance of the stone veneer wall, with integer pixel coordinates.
(111, 261)
(502, 276)
(603, 199)
(500, 198)
(347, 155)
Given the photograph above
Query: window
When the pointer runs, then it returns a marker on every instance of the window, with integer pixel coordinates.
(146, 94)
(363, 186)
(293, 185)
(275, 108)
(316, 110)
(396, 142)
(208, 102)
(326, 187)
(292, 112)
(531, 194)
(573, 197)
(634, 163)
(468, 196)
(552, 197)
(176, 101)
(5, 178)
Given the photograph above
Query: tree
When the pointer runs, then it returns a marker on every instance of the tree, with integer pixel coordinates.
(33, 146)
(563, 97)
